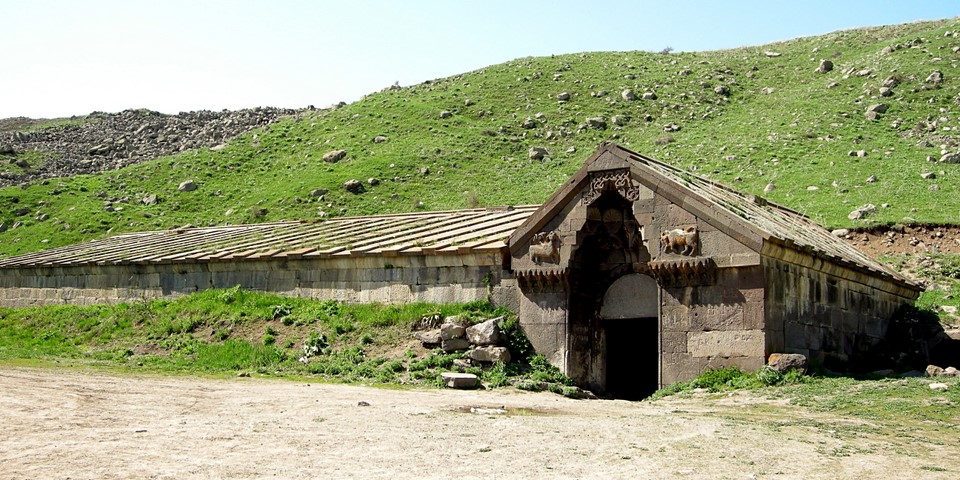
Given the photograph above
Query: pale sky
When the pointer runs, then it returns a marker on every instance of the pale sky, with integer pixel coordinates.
(72, 57)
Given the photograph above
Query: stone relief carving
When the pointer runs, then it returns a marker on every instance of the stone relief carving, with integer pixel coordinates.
(617, 180)
(545, 247)
(680, 240)
(684, 272)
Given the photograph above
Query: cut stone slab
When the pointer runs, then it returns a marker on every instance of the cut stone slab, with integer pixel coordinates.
(454, 344)
(489, 354)
(459, 380)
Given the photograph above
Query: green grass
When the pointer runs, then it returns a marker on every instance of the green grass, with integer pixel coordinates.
(795, 137)
(235, 330)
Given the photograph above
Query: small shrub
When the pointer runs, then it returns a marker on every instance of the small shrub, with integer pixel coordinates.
(516, 341)
(282, 310)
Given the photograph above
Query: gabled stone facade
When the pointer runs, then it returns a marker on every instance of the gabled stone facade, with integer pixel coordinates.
(636, 275)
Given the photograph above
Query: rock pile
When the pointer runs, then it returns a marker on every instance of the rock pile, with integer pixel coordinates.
(482, 343)
(107, 141)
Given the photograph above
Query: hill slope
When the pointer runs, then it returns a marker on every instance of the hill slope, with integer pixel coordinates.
(755, 118)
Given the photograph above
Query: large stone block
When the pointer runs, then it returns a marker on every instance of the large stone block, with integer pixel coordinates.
(489, 354)
(485, 333)
(738, 343)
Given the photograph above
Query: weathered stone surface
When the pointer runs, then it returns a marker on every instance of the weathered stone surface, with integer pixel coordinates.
(934, 371)
(454, 344)
(485, 333)
(598, 123)
(489, 354)
(429, 337)
(459, 380)
(785, 362)
(628, 95)
(450, 331)
(950, 372)
(733, 343)
(825, 66)
(939, 386)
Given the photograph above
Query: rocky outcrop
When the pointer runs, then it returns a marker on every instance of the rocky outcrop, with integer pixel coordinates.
(107, 141)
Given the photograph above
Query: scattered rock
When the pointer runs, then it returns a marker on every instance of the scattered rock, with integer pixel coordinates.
(885, 91)
(537, 153)
(934, 371)
(862, 211)
(872, 179)
(450, 331)
(950, 158)
(825, 66)
(334, 156)
(485, 333)
(785, 362)
(671, 127)
(563, 96)
(769, 188)
(840, 232)
(722, 90)
(528, 123)
(318, 192)
(628, 95)
(597, 123)
(767, 90)
(454, 344)
(490, 354)
(939, 386)
(928, 175)
(446, 114)
(353, 186)
(458, 380)
(649, 96)
(935, 78)
(771, 54)
(149, 200)
(187, 186)
(381, 139)
(950, 372)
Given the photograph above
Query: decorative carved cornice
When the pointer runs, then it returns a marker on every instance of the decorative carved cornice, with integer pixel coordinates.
(536, 281)
(684, 272)
(614, 180)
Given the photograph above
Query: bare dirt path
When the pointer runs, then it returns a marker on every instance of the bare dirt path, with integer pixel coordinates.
(92, 424)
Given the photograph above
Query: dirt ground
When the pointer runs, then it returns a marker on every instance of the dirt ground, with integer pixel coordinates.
(89, 424)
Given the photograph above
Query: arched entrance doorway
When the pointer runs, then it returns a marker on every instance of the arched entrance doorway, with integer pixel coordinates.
(606, 284)
(631, 337)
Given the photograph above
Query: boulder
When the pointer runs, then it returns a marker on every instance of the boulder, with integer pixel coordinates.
(825, 66)
(429, 338)
(353, 186)
(934, 371)
(489, 354)
(935, 78)
(563, 96)
(380, 139)
(187, 186)
(649, 96)
(458, 380)
(785, 362)
(334, 156)
(950, 158)
(537, 153)
(628, 95)
(939, 386)
(450, 331)
(446, 114)
(950, 372)
(597, 123)
(485, 333)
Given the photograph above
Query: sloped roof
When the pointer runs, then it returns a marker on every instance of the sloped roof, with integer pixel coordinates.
(749, 219)
(428, 233)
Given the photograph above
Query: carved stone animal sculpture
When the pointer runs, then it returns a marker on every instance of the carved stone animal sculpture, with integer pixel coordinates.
(545, 247)
(680, 240)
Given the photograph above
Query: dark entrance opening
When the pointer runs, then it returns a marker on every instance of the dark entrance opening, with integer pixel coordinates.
(632, 358)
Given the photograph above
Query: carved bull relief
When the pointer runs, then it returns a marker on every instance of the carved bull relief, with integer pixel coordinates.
(680, 240)
(545, 247)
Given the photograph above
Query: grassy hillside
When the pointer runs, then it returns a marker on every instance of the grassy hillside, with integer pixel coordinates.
(747, 117)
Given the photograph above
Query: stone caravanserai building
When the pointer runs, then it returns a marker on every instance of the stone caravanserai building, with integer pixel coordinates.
(632, 276)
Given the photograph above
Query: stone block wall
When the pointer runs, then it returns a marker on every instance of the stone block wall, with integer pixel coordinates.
(439, 279)
(831, 314)
(711, 326)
